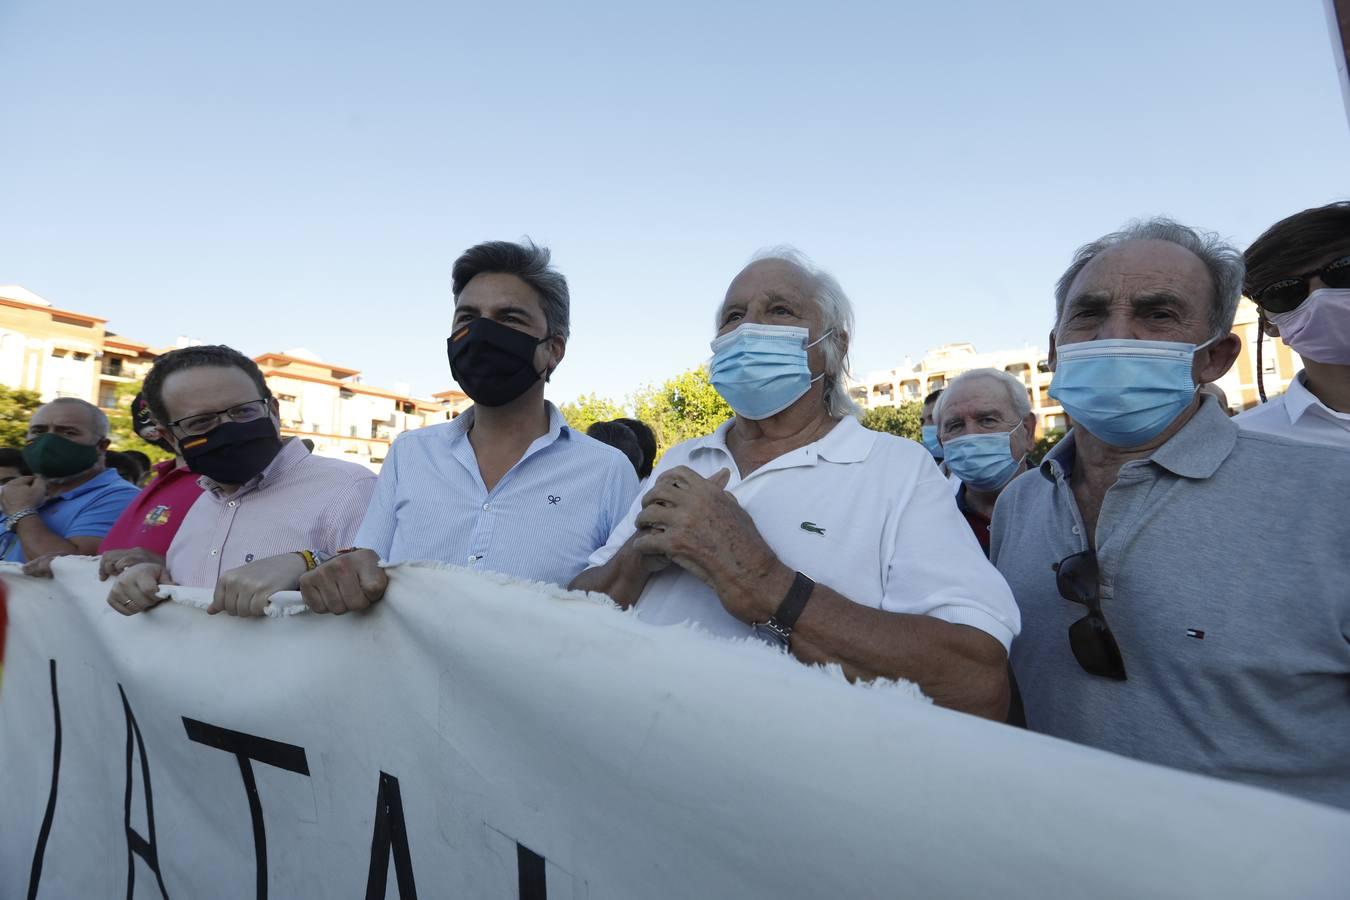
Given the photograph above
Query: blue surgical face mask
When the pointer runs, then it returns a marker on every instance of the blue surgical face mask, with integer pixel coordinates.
(930, 440)
(1125, 392)
(984, 462)
(761, 370)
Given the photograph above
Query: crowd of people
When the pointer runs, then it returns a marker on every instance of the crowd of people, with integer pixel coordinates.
(1169, 583)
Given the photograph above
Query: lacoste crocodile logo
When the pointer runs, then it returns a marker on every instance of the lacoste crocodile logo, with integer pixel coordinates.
(813, 528)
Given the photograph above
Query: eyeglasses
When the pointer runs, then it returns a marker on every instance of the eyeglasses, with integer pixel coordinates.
(201, 423)
(1286, 294)
(1093, 644)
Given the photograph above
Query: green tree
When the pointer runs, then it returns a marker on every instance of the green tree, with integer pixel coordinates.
(902, 420)
(588, 409)
(686, 406)
(1043, 445)
(16, 408)
(121, 429)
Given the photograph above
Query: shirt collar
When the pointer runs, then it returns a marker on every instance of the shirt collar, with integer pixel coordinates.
(102, 479)
(1202, 444)
(292, 452)
(557, 426)
(847, 442)
(1196, 451)
(1299, 400)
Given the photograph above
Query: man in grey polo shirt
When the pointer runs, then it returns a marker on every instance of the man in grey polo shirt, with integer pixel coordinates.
(1184, 584)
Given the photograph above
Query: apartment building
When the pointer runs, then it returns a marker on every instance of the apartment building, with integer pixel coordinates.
(345, 418)
(913, 381)
(61, 353)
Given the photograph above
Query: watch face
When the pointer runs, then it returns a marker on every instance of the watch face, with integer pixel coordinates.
(770, 635)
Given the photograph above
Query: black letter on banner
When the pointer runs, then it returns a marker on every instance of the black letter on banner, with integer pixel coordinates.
(35, 873)
(391, 833)
(247, 747)
(145, 849)
(530, 867)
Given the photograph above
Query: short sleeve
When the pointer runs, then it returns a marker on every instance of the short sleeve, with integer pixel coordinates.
(937, 568)
(96, 518)
(626, 516)
(376, 531)
(347, 511)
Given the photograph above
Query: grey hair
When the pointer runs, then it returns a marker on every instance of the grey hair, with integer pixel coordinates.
(98, 419)
(530, 263)
(836, 318)
(1017, 391)
(1224, 262)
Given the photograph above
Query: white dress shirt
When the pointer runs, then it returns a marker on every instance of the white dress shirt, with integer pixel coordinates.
(864, 513)
(1298, 414)
(539, 522)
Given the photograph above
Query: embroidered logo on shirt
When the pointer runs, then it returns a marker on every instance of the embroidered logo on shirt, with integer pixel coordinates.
(249, 558)
(1195, 633)
(553, 501)
(157, 516)
(813, 528)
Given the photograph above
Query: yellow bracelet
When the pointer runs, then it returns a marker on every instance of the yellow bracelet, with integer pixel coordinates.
(308, 556)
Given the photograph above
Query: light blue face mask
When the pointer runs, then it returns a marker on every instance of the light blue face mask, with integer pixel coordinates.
(1125, 392)
(930, 440)
(761, 370)
(984, 462)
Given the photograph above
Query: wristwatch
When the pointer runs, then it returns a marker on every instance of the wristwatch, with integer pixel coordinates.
(11, 521)
(777, 629)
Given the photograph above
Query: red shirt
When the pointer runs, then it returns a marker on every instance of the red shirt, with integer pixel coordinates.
(978, 522)
(153, 517)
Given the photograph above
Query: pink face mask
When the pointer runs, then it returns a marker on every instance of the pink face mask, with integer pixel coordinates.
(1319, 328)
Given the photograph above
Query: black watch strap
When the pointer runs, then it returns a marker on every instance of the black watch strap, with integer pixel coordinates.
(793, 604)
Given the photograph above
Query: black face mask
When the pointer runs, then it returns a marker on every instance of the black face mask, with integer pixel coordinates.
(232, 453)
(494, 364)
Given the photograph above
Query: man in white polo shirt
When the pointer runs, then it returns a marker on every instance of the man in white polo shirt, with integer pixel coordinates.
(794, 523)
(1298, 273)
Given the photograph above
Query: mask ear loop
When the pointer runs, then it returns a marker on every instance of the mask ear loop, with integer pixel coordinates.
(1201, 347)
(812, 344)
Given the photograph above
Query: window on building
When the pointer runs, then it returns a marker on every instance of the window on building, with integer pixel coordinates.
(107, 396)
(58, 352)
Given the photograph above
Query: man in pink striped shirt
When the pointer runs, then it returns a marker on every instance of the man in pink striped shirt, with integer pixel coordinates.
(269, 510)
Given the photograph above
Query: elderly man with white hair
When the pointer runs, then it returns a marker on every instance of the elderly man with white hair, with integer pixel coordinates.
(71, 500)
(794, 523)
(987, 430)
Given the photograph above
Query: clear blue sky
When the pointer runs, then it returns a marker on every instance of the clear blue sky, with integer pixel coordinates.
(275, 175)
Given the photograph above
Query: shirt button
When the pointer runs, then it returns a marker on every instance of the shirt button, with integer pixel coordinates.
(232, 503)
(1075, 529)
(487, 507)
(215, 552)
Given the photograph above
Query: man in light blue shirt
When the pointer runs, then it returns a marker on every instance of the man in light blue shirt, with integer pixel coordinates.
(72, 499)
(507, 487)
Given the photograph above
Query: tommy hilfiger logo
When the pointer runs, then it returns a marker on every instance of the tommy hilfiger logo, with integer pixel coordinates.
(813, 528)
(553, 501)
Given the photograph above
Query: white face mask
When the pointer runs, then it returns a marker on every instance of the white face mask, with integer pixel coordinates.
(1318, 328)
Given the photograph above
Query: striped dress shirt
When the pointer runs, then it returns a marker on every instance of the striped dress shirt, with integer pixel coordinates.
(299, 502)
(540, 522)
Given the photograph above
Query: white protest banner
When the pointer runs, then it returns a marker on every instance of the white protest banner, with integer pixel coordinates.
(478, 739)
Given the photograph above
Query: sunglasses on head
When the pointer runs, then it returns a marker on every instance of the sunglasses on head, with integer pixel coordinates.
(1090, 638)
(1286, 294)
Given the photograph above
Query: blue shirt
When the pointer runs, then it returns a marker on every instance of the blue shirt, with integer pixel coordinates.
(85, 511)
(540, 522)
